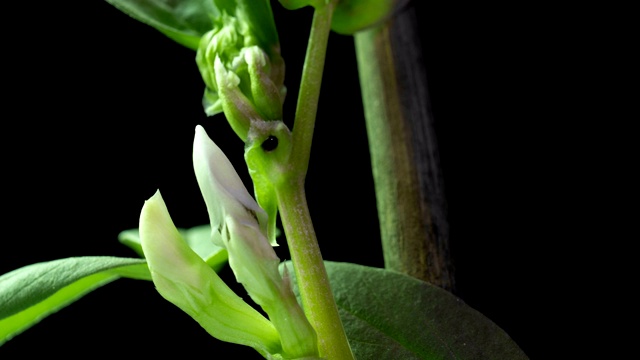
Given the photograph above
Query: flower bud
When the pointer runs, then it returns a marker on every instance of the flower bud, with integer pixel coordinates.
(244, 76)
(240, 225)
(183, 278)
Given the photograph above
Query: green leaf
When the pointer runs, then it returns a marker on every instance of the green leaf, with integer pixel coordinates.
(351, 16)
(198, 238)
(30, 293)
(183, 21)
(388, 315)
(131, 238)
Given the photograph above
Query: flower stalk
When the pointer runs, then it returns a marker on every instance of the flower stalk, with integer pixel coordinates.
(315, 290)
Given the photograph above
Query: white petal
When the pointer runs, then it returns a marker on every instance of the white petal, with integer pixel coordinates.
(222, 189)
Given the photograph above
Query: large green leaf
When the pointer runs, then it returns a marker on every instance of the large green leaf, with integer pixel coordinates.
(183, 21)
(30, 293)
(388, 315)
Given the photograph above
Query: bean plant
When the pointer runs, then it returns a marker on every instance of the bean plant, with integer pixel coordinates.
(299, 308)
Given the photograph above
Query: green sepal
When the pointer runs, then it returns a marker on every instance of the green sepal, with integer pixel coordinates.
(211, 102)
(267, 166)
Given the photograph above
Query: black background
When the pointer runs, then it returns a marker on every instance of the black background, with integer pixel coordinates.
(100, 111)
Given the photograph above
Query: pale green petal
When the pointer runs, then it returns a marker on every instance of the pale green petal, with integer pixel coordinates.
(253, 260)
(184, 279)
(255, 265)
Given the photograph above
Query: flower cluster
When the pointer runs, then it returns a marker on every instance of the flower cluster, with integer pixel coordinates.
(244, 76)
(239, 225)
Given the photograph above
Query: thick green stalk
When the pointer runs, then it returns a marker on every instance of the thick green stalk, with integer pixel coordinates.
(403, 148)
(317, 297)
(315, 290)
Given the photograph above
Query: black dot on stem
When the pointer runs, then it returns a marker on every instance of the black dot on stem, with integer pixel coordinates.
(270, 144)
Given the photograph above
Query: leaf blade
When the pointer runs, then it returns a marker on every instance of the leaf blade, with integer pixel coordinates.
(388, 315)
(183, 21)
(31, 293)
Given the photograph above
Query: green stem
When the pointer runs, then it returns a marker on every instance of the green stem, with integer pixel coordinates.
(404, 152)
(307, 105)
(315, 290)
(313, 283)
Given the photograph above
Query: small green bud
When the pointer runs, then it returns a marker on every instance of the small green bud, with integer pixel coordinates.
(238, 109)
(267, 96)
